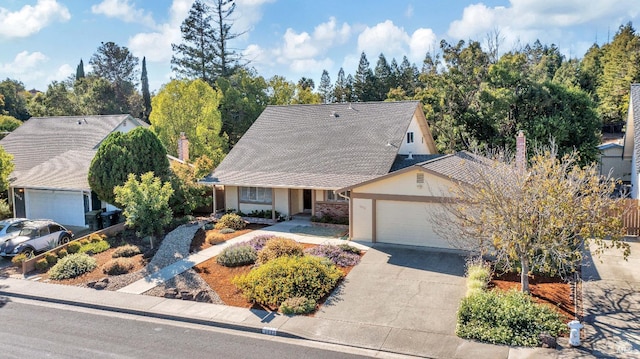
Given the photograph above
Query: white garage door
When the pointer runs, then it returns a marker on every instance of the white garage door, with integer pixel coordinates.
(64, 207)
(407, 223)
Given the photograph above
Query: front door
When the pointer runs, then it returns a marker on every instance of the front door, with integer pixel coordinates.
(306, 200)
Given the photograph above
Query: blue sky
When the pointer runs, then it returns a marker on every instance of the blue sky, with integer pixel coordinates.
(43, 40)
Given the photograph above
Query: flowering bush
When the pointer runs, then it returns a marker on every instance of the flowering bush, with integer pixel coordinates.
(337, 255)
(258, 242)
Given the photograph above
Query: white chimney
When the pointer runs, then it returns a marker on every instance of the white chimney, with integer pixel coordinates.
(183, 147)
(521, 151)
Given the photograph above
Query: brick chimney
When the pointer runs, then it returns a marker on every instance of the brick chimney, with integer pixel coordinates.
(183, 147)
(521, 151)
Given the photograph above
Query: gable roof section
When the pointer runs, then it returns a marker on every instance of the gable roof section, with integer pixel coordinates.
(317, 146)
(43, 146)
(458, 167)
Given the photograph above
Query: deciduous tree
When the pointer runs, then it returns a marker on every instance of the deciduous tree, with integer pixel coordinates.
(536, 218)
(6, 167)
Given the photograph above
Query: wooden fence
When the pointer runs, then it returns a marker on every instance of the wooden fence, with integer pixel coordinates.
(631, 217)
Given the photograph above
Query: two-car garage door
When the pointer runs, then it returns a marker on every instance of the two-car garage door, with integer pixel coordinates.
(64, 207)
(405, 222)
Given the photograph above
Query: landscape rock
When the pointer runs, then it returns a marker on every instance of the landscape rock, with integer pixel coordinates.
(548, 341)
(100, 285)
(186, 295)
(170, 293)
(203, 297)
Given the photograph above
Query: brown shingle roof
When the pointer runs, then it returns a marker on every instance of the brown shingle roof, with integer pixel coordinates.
(317, 146)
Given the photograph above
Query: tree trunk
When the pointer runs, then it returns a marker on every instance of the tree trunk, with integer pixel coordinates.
(524, 274)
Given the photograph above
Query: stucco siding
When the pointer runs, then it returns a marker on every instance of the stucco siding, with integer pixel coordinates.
(281, 197)
(419, 144)
(362, 221)
(231, 197)
(406, 184)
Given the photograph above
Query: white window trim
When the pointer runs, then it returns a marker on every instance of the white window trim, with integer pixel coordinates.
(329, 196)
(261, 195)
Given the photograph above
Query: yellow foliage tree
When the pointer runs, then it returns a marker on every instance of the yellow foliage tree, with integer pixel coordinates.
(538, 218)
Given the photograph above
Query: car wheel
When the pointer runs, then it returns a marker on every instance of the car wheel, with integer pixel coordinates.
(64, 239)
(28, 252)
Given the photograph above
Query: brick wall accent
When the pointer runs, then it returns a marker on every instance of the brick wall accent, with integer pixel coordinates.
(334, 210)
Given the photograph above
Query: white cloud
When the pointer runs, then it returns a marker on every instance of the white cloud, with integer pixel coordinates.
(61, 73)
(409, 11)
(247, 14)
(395, 42)
(156, 45)
(421, 42)
(31, 19)
(123, 10)
(525, 21)
(304, 65)
(25, 66)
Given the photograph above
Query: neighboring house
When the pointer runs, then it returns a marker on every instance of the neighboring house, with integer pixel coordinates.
(398, 208)
(612, 162)
(293, 158)
(52, 156)
(631, 145)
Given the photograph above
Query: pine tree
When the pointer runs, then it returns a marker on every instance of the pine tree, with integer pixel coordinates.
(363, 85)
(80, 71)
(194, 57)
(383, 79)
(226, 60)
(146, 96)
(339, 89)
(325, 89)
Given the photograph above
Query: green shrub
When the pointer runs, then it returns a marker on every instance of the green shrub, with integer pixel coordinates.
(5, 209)
(95, 247)
(73, 247)
(298, 305)
(118, 266)
(231, 220)
(42, 264)
(510, 318)
(18, 259)
(227, 231)
(127, 250)
(286, 277)
(51, 258)
(237, 255)
(62, 253)
(93, 237)
(214, 238)
(347, 248)
(72, 266)
(84, 241)
(279, 246)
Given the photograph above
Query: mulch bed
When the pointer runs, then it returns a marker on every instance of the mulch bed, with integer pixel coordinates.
(551, 291)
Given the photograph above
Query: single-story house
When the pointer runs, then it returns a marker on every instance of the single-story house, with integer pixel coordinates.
(612, 162)
(52, 156)
(631, 145)
(294, 158)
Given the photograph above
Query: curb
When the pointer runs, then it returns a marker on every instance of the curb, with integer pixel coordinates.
(211, 323)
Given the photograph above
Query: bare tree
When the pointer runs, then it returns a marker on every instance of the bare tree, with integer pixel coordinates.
(536, 218)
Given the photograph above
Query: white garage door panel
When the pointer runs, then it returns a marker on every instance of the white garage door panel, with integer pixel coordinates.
(407, 223)
(64, 207)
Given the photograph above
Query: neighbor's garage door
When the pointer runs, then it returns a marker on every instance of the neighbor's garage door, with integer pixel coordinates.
(407, 223)
(64, 207)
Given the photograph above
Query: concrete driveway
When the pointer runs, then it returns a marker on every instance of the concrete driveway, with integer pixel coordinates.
(611, 291)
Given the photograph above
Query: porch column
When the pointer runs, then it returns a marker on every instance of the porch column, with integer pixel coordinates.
(313, 202)
(373, 220)
(238, 198)
(273, 204)
(213, 187)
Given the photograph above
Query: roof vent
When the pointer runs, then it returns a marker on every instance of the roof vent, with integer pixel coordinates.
(334, 114)
(410, 157)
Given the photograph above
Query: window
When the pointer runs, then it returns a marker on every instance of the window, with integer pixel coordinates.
(255, 194)
(419, 178)
(409, 137)
(332, 197)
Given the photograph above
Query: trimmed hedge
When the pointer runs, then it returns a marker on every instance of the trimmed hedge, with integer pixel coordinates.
(72, 266)
(510, 318)
(289, 276)
(96, 247)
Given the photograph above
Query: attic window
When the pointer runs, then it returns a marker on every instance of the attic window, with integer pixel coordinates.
(409, 137)
(420, 178)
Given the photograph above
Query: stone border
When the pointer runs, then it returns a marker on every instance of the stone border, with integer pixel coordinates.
(30, 265)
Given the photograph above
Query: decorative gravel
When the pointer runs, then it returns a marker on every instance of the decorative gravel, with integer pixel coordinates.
(173, 248)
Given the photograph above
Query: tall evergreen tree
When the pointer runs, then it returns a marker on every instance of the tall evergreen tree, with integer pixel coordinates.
(325, 89)
(80, 71)
(383, 79)
(349, 89)
(226, 60)
(620, 68)
(117, 65)
(146, 96)
(591, 70)
(363, 86)
(339, 89)
(194, 57)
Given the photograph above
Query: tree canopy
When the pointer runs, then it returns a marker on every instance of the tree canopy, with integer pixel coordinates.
(6, 167)
(120, 154)
(189, 106)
